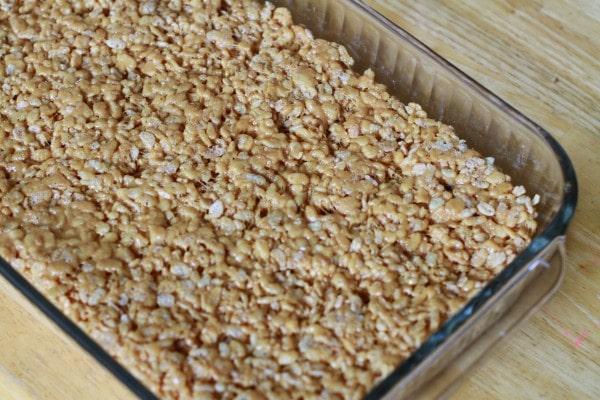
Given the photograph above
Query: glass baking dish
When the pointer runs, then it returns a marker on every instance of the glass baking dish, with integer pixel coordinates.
(413, 72)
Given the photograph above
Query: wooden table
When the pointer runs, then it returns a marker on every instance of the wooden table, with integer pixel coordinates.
(543, 57)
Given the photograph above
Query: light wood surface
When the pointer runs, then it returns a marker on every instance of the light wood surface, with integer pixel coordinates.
(543, 57)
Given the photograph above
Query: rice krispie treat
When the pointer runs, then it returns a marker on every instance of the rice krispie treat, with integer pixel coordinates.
(226, 207)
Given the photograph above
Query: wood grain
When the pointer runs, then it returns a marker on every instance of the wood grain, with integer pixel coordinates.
(543, 57)
(38, 361)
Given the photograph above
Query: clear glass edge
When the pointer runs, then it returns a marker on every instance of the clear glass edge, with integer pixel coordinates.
(517, 284)
(556, 228)
(36, 298)
(499, 329)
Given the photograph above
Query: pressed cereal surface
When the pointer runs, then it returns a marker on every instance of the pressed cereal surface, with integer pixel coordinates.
(226, 207)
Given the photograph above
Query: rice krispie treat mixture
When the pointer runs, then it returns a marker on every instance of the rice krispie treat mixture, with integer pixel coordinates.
(226, 207)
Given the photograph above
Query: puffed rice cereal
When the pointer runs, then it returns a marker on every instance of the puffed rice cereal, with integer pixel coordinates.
(228, 209)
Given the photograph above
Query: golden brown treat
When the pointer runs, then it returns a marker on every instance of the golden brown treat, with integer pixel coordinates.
(229, 210)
